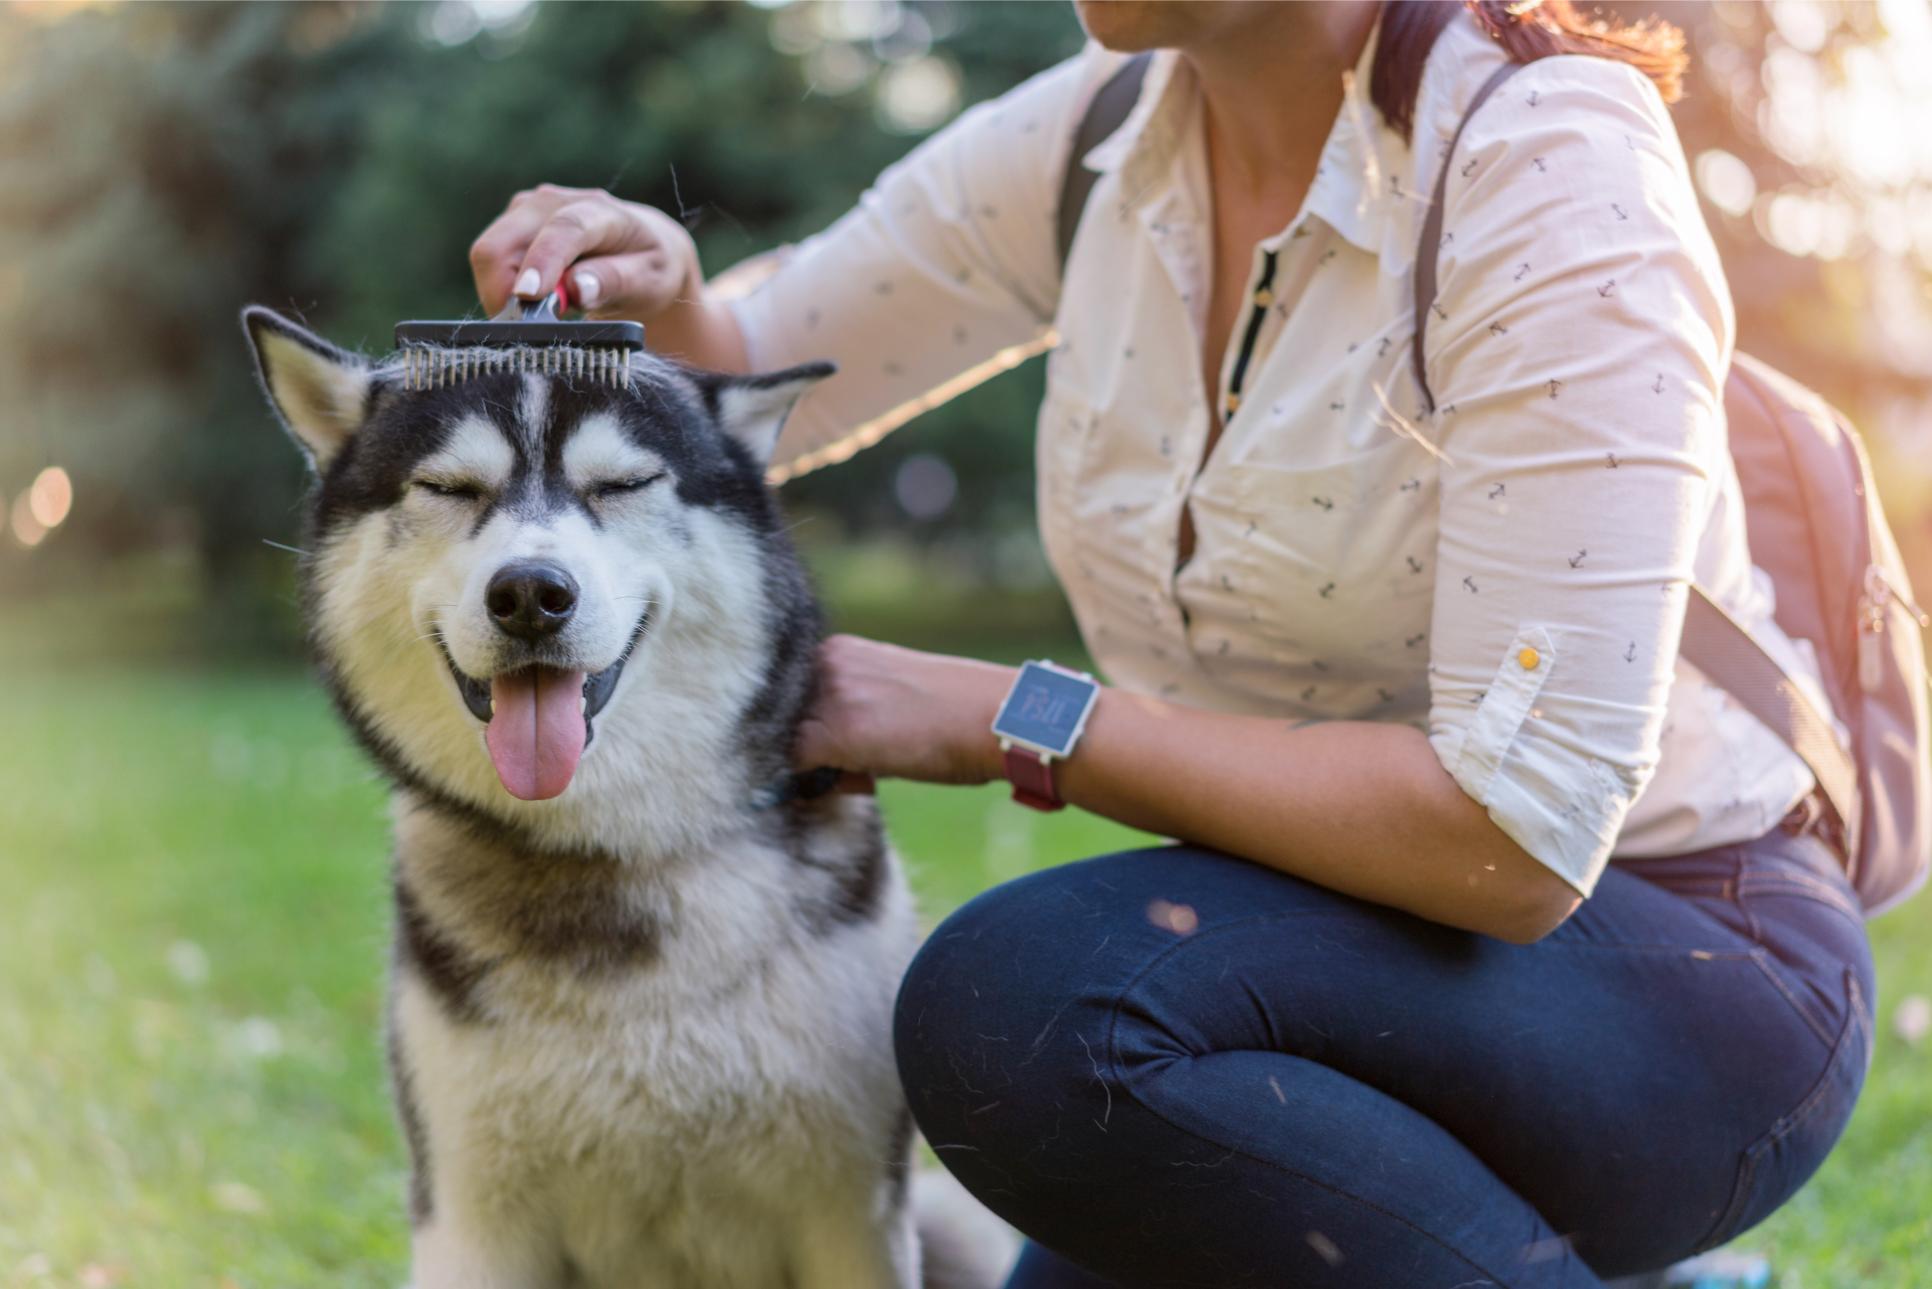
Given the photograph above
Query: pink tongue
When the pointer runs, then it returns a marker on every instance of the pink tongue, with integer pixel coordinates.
(536, 730)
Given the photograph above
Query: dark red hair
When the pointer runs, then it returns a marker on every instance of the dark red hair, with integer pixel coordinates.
(1527, 30)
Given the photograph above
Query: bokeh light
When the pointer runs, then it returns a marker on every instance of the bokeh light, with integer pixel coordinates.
(27, 530)
(51, 497)
(925, 486)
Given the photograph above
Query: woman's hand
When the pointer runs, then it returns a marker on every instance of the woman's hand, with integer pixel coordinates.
(625, 260)
(886, 711)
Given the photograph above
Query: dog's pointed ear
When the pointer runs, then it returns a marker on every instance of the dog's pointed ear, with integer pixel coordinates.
(320, 392)
(752, 409)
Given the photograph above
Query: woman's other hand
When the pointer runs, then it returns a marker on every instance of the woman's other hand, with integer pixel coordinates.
(884, 711)
(624, 259)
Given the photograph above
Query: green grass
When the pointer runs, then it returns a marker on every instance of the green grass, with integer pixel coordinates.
(191, 1089)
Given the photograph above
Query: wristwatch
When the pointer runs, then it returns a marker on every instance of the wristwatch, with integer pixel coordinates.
(1040, 722)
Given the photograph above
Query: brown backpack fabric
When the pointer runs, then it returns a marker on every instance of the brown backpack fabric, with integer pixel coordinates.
(1814, 524)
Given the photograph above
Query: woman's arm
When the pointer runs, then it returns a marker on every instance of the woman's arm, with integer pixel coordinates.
(1360, 807)
(944, 272)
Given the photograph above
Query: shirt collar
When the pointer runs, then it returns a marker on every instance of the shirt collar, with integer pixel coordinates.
(1357, 184)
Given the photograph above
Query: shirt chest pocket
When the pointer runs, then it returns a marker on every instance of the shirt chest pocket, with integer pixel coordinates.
(1333, 560)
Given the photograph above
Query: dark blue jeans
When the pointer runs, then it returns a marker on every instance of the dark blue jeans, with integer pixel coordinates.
(1173, 1067)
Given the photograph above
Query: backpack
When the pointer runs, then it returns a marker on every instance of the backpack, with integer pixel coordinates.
(1814, 524)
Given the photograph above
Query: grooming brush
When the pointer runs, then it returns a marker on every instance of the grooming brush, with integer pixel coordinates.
(525, 336)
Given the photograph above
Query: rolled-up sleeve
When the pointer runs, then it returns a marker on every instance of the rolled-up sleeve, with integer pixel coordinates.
(1577, 356)
(944, 272)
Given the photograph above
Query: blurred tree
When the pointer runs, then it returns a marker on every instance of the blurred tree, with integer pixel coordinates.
(160, 163)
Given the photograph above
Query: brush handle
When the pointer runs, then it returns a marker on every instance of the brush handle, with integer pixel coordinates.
(549, 308)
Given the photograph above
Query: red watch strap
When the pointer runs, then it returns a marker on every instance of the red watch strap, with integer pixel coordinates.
(1032, 777)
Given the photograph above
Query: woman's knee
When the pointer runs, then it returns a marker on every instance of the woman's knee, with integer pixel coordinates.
(1006, 989)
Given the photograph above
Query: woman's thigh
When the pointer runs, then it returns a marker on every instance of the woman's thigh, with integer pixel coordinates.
(1614, 1075)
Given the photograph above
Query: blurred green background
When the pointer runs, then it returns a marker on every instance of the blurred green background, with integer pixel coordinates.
(191, 855)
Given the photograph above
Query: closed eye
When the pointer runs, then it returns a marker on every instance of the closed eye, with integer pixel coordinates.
(459, 489)
(624, 486)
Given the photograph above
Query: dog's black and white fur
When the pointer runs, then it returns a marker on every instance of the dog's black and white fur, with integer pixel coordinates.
(639, 1032)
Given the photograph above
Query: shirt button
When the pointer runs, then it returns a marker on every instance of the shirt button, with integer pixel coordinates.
(1263, 298)
(1234, 404)
(1529, 658)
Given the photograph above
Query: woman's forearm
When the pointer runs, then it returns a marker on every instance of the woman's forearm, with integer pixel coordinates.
(1360, 807)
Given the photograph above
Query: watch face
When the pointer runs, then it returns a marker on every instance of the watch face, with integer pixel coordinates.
(1045, 709)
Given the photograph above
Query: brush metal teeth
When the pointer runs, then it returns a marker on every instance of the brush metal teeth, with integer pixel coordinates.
(426, 368)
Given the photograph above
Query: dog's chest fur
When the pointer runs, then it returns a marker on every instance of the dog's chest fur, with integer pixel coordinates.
(645, 1056)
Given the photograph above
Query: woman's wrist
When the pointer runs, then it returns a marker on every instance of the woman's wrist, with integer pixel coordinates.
(698, 330)
(982, 746)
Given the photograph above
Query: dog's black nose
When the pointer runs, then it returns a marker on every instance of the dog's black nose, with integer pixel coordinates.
(531, 598)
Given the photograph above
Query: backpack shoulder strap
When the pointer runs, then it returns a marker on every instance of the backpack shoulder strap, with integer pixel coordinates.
(1424, 273)
(1713, 641)
(1718, 645)
(1105, 114)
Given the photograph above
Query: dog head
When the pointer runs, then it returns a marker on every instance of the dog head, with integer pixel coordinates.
(502, 568)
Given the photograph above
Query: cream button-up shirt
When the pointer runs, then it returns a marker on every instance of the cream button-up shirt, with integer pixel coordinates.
(1508, 574)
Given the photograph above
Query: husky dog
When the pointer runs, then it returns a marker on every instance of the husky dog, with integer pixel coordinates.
(640, 1004)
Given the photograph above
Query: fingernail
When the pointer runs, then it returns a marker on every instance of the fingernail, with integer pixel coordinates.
(587, 288)
(527, 283)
